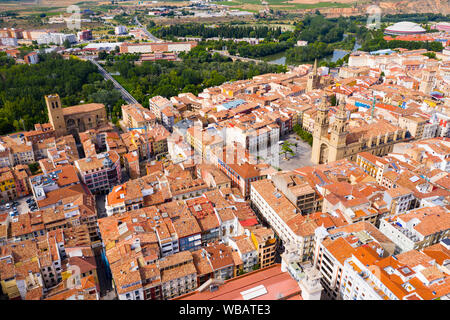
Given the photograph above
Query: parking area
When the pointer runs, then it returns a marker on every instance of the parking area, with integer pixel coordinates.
(23, 206)
(18, 206)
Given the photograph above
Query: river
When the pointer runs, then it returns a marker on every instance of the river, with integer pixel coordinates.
(280, 58)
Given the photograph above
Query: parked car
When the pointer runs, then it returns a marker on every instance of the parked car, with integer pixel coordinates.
(8, 205)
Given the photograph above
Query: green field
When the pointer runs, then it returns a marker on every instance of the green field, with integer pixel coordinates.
(285, 4)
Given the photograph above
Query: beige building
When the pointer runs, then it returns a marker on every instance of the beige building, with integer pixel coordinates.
(178, 274)
(413, 124)
(298, 191)
(313, 81)
(339, 141)
(285, 219)
(136, 116)
(75, 119)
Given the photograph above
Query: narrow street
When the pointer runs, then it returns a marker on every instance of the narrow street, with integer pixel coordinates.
(106, 290)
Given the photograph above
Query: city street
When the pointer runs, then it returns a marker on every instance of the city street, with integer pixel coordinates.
(106, 290)
(100, 203)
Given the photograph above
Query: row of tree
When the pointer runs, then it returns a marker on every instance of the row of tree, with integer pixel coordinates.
(223, 31)
(23, 87)
(198, 69)
(377, 42)
(304, 135)
(315, 50)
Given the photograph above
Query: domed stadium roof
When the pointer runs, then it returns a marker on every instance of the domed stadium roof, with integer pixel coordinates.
(404, 27)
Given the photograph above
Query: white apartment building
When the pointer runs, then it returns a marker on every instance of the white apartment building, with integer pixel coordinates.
(120, 30)
(56, 38)
(360, 283)
(418, 228)
(258, 140)
(398, 199)
(283, 217)
(246, 250)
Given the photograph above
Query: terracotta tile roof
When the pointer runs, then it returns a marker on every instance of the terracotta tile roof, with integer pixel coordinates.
(339, 248)
(34, 294)
(85, 264)
(89, 107)
(279, 286)
(431, 220)
(186, 226)
(245, 244)
(438, 252)
(201, 263)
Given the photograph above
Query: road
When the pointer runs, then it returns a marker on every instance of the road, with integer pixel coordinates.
(125, 94)
(149, 35)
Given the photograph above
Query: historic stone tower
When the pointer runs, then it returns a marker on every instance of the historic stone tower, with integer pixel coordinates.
(313, 79)
(331, 146)
(338, 136)
(320, 133)
(55, 114)
(427, 83)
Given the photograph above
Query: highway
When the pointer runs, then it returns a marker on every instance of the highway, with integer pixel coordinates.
(125, 94)
(149, 35)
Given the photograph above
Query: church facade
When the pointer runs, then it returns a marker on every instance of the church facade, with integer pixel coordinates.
(75, 119)
(337, 141)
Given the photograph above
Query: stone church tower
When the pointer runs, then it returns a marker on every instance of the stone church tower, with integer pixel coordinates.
(313, 79)
(320, 133)
(338, 136)
(55, 114)
(330, 146)
(428, 79)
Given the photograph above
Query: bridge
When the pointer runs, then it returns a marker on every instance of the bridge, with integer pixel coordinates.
(107, 76)
(234, 58)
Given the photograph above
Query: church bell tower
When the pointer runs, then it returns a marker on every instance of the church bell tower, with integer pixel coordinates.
(55, 114)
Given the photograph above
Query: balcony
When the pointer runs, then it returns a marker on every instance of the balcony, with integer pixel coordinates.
(406, 232)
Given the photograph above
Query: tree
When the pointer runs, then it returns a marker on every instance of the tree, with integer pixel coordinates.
(102, 55)
(333, 100)
(34, 168)
(67, 44)
(286, 148)
(304, 135)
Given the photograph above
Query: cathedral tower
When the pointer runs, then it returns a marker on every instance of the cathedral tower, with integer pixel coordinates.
(320, 134)
(338, 133)
(313, 79)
